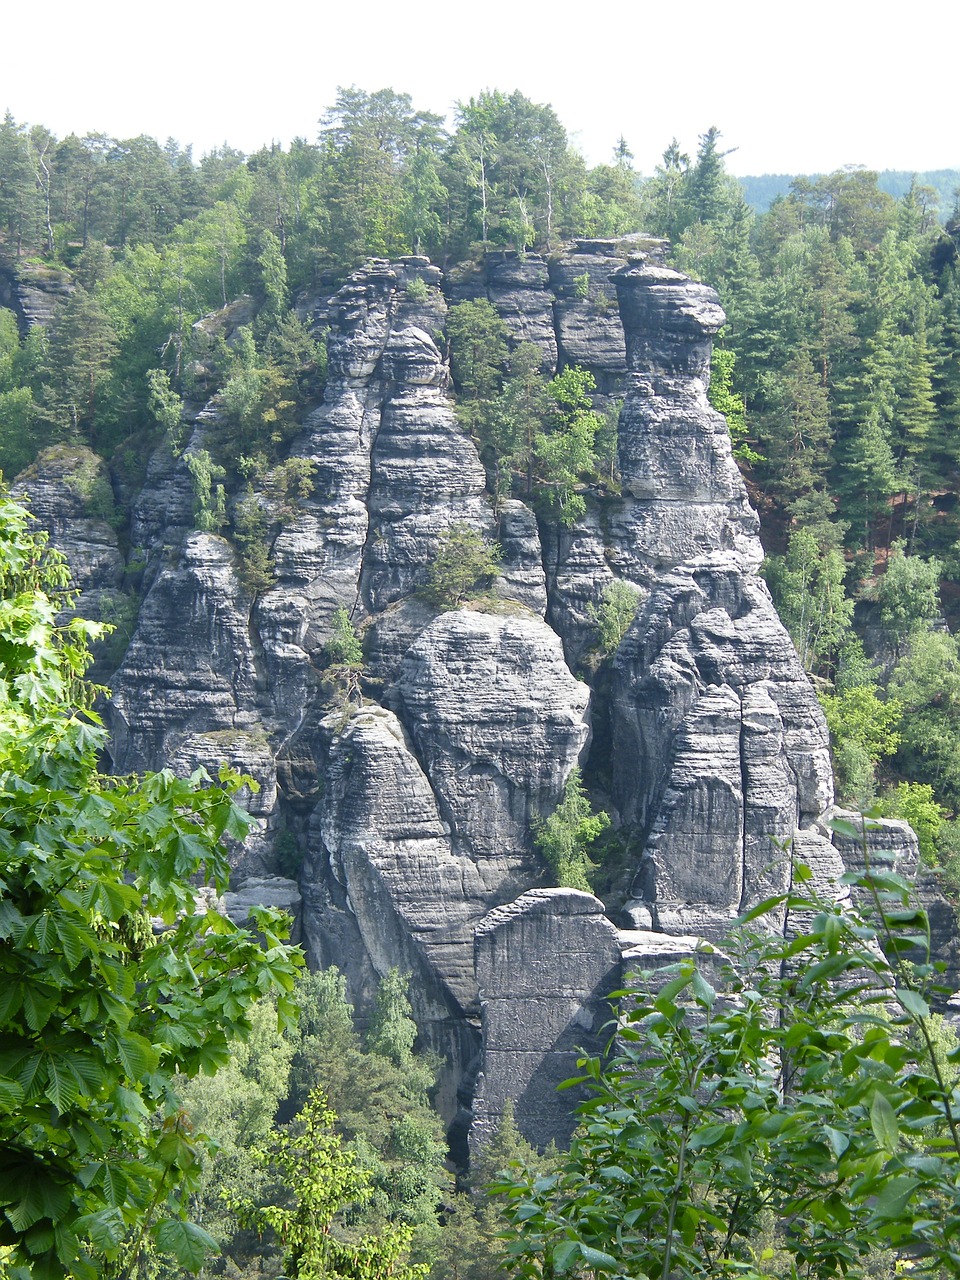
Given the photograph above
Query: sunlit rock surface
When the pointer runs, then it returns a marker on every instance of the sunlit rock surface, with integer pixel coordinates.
(397, 819)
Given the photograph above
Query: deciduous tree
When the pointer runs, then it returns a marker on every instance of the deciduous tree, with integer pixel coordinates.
(115, 974)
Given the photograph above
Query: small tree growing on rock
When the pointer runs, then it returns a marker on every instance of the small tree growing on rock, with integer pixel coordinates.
(617, 609)
(565, 837)
(344, 652)
(465, 563)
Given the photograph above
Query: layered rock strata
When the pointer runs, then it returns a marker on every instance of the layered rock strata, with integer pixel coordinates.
(412, 811)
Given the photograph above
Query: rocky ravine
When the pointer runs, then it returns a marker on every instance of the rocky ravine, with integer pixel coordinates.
(412, 813)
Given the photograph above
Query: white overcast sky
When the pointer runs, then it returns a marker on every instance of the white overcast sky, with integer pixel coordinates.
(795, 88)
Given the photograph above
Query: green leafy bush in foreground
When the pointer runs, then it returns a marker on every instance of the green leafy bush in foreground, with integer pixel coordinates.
(114, 974)
(791, 1119)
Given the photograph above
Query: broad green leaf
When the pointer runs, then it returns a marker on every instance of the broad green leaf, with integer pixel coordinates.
(702, 990)
(61, 1087)
(105, 1229)
(838, 1141)
(844, 827)
(564, 1255)
(892, 1199)
(913, 1002)
(883, 1121)
(597, 1259)
(11, 1094)
(190, 1244)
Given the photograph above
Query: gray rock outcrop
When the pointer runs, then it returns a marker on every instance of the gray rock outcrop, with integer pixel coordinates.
(411, 798)
(32, 290)
(546, 966)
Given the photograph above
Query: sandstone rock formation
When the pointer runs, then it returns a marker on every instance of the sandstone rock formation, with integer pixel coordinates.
(410, 811)
(31, 290)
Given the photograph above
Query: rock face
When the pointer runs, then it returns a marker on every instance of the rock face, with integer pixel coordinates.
(546, 965)
(32, 290)
(407, 814)
(719, 747)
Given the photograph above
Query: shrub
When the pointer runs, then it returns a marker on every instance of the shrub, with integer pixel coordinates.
(617, 610)
(465, 562)
(565, 837)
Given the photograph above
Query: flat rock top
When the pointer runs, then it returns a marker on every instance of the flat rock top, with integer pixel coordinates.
(541, 902)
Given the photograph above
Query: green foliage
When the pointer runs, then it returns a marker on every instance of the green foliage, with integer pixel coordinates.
(273, 281)
(18, 438)
(165, 405)
(926, 681)
(478, 348)
(381, 1096)
(418, 290)
(807, 585)
(101, 1012)
(565, 451)
(78, 373)
(344, 647)
(808, 1084)
(465, 563)
(730, 403)
(392, 1028)
(613, 617)
(914, 802)
(565, 837)
(325, 1182)
(251, 532)
(344, 654)
(507, 424)
(470, 1246)
(210, 499)
(864, 729)
(909, 592)
(237, 1107)
(18, 410)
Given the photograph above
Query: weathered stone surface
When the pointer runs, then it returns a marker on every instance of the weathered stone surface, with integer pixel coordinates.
(889, 842)
(391, 852)
(578, 566)
(32, 291)
(498, 722)
(262, 891)
(545, 967)
(413, 812)
(390, 635)
(521, 576)
(68, 491)
(225, 322)
(190, 667)
(589, 332)
(426, 475)
(163, 513)
(719, 746)
(669, 321)
(518, 287)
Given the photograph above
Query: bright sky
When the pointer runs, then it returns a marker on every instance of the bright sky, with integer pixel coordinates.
(795, 88)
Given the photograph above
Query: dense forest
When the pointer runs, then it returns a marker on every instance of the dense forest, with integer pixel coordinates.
(761, 190)
(838, 371)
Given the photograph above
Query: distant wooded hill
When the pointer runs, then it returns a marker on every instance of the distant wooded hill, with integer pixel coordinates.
(761, 191)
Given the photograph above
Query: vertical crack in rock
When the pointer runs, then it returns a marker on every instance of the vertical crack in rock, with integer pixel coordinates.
(744, 791)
